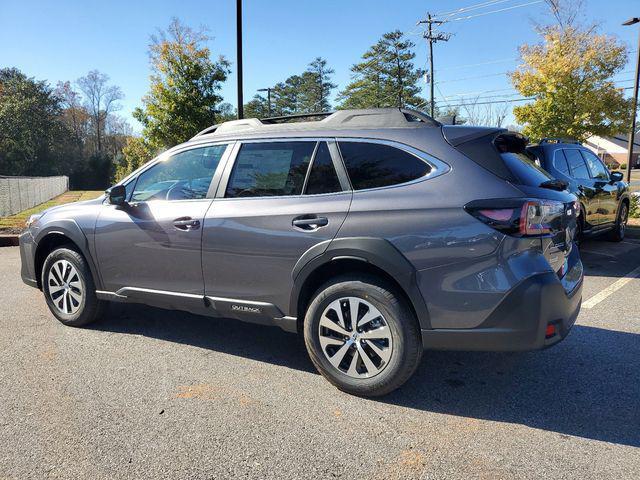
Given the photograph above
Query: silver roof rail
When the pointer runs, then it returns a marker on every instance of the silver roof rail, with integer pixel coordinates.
(364, 118)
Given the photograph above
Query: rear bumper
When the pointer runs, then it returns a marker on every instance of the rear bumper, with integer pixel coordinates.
(520, 322)
(27, 257)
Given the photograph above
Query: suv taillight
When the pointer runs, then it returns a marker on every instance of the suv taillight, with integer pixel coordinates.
(522, 218)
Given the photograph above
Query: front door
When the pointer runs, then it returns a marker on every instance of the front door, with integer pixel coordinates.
(606, 192)
(586, 185)
(154, 242)
(281, 199)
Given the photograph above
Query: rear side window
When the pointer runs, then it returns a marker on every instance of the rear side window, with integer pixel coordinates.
(322, 176)
(560, 163)
(268, 169)
(597, 169)
(519, 161)
(576, 163)
(372, 165)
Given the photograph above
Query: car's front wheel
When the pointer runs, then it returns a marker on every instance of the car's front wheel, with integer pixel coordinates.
(620, 228)
(362, 336)
(68, 288)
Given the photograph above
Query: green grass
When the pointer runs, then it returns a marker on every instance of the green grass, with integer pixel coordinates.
(15, 223)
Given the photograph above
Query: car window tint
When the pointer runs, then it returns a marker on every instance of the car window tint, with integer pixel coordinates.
(322, 177)
(129, 188)
(270, 169)
(525, 169)
(597, 169)
(560, 162)
(576, 163)
(373, 165)
(183, 176)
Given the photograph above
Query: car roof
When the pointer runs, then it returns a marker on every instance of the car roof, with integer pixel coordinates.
(339, 121)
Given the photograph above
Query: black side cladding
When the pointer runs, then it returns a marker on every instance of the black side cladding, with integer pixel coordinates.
(478, 145)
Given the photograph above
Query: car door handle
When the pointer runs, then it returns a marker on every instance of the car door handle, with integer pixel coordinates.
(186, 223)
(310, 222)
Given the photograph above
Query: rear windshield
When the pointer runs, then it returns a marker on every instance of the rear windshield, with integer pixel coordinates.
(523, 164)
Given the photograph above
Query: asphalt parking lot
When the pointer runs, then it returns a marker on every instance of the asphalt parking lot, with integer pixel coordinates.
(146, 393)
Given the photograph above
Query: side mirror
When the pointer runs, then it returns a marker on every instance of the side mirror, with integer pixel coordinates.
(117, 195)
(617, 176)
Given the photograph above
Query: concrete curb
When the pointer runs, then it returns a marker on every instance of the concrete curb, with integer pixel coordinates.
(8, 240)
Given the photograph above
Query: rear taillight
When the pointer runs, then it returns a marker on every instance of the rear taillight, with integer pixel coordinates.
(523, 218)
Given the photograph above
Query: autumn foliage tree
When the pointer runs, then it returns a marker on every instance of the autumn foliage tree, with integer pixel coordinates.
(184, 96)
(570, 76)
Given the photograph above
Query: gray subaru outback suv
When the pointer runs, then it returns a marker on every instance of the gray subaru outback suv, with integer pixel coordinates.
(375, 233)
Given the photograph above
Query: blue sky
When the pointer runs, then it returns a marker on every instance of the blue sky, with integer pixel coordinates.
(63, 40)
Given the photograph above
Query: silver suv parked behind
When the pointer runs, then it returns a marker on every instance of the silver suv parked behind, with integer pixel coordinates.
(376, 233)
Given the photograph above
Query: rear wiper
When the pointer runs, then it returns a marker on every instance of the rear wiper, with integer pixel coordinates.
(555, 184)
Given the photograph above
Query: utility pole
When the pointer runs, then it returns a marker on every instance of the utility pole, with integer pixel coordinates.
(634, 108)
(239, 55)
(268, 90)
(432, 38)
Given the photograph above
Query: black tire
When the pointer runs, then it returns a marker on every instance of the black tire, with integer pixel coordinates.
(405, 334)
(579, 237)
(619, 230)
(89, 308)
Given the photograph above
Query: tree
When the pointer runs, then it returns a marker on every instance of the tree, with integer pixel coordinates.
(184, 94)
(488, 115)
(101, 100)
(135, 153)
(386, 77)
(257, 107)
(570, 75)
(29, 126)
(316, 87)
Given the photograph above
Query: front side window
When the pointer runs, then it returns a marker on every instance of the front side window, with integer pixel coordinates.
(183, 176)
(372, 165)
(267, 169)
(576, 163)
(597, 169)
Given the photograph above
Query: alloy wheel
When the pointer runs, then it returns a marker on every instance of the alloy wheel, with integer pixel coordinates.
(65, 287)
(355, 337)
(624, 217)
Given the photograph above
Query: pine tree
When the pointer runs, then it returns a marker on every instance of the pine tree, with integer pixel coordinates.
(386, 77)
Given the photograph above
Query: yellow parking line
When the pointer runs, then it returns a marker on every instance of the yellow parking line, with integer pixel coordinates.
(615, 286)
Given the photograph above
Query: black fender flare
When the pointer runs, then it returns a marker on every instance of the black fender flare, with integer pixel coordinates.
(74, 233)
(375, 251)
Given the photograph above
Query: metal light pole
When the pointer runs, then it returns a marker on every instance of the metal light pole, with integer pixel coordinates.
(634, 108)
(239, 56)
(268, 90)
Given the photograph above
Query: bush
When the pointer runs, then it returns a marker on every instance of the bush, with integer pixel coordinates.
(634, 206)
(623, 166)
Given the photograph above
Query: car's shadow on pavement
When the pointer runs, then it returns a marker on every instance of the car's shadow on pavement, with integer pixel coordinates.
(256, 342)
(587, 386)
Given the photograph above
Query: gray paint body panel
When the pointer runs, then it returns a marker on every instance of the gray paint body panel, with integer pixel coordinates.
(248, 261)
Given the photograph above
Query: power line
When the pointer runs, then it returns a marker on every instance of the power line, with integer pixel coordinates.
(508, 101)
(494, 11)
(471, 7)
(489, 62)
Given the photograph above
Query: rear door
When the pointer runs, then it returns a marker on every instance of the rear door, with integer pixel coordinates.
(278, 199)
(606, 192)
(586, 185)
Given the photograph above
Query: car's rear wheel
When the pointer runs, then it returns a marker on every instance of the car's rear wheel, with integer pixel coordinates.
(362, 336)
(68, 288)
(618, 232)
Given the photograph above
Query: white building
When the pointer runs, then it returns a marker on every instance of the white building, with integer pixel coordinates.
(613, 150)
